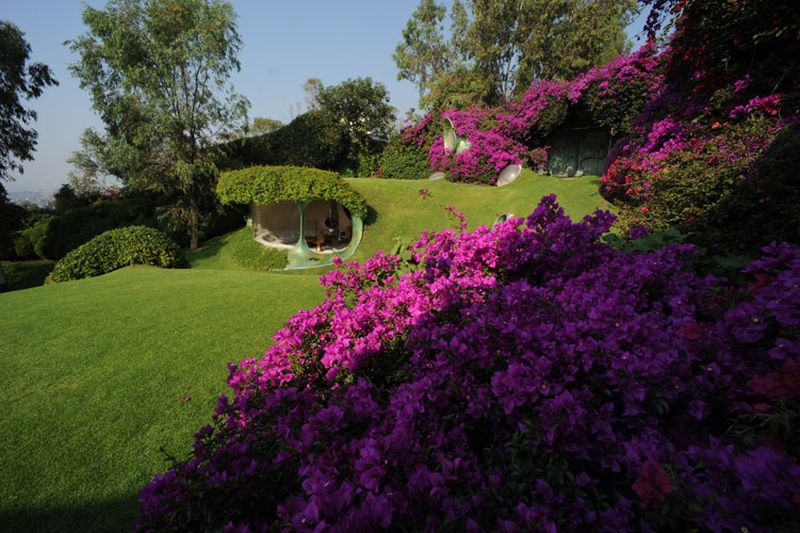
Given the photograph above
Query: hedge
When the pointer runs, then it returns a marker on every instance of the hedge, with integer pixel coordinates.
(403, 161)
(313, 139)
(265, 184)
(117, 248)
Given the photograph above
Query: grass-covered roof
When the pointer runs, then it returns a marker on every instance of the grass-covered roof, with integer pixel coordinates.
(267, 184)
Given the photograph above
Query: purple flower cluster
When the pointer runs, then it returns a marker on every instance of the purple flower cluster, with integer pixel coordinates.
(524, 376)
(613, 94)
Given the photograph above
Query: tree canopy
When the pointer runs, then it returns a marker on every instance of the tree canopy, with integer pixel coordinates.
(158, 72)
(498, 47)
(19, 81)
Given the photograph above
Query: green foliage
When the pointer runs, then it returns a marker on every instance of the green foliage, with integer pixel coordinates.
(761, 208)
(28, 242)
(403, 161)
(362, 106)
(262, 125)
(264, 185)
(694, 184)
(117, 248)
(498, 47)
(12, 218)
(66, 199)
(314, 139)
(19, 81)
(73, 228)
(26, 274)
(423, 55)
(461, 88)
(251, 255)
(158, 74)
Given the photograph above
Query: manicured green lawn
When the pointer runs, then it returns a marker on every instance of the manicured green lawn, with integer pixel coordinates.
(93, 372)
(398, 210)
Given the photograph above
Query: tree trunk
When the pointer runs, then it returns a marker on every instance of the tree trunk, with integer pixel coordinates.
(3, 284)
(194, 223)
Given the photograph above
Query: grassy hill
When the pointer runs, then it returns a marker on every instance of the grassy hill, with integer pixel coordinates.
(93, 373)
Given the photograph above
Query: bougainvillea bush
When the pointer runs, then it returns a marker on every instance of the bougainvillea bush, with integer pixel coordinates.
(610, 96)
(694, 156)
(522, 377)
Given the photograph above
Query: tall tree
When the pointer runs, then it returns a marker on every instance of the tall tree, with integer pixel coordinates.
(424, 54)
(158, 72)
(362, 106)
(262, 125)
(313, 87)
(498, 47)
(19, 81)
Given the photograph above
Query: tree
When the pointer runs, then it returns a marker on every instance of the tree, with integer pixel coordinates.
(424, 55)
(19, 81)
(507, 44)
(362, 106)
(158, 72)
(263, 126)
(312, 87)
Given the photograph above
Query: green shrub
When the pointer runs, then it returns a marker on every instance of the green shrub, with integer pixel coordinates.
(73, 228)
(248, 254)
(27, 242)
(117, 248)
(314, 139)
(264, 185)
(735, 191)
(403, 161)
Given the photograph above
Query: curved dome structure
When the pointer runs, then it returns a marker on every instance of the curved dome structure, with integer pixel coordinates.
(312, 213)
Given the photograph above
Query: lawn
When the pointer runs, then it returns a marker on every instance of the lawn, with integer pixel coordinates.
(93, 378)
(398, 210)
(94, 371)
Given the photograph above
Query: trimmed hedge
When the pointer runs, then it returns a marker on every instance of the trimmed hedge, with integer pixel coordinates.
(247, 253)
(403, 161)
(264, 185)
(313, 139)
(117, 248)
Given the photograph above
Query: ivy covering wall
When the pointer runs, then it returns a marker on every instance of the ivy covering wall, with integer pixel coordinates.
(267, 184)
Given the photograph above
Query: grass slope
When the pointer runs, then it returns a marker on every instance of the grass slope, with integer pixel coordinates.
(397, 209)
(92, 372)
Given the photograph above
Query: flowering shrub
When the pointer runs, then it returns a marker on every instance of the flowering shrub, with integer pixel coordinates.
(676, 180)
(490, 150)
(694, 157)
(525, 376)
(538, 157)
(611, 95)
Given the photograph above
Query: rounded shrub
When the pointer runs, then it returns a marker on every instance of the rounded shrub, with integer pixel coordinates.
(524, 377)
(117, 248)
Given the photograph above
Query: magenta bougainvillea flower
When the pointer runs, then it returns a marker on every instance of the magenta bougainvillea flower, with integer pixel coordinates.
(520, 377)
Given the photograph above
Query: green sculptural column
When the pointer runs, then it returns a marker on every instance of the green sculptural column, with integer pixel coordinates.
(301, 250)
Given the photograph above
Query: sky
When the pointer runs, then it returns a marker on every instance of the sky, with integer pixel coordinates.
(285, 42)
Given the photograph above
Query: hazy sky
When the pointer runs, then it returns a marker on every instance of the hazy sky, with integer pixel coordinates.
(284, 43)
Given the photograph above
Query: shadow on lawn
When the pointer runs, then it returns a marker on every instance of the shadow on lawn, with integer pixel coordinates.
(112, 515)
